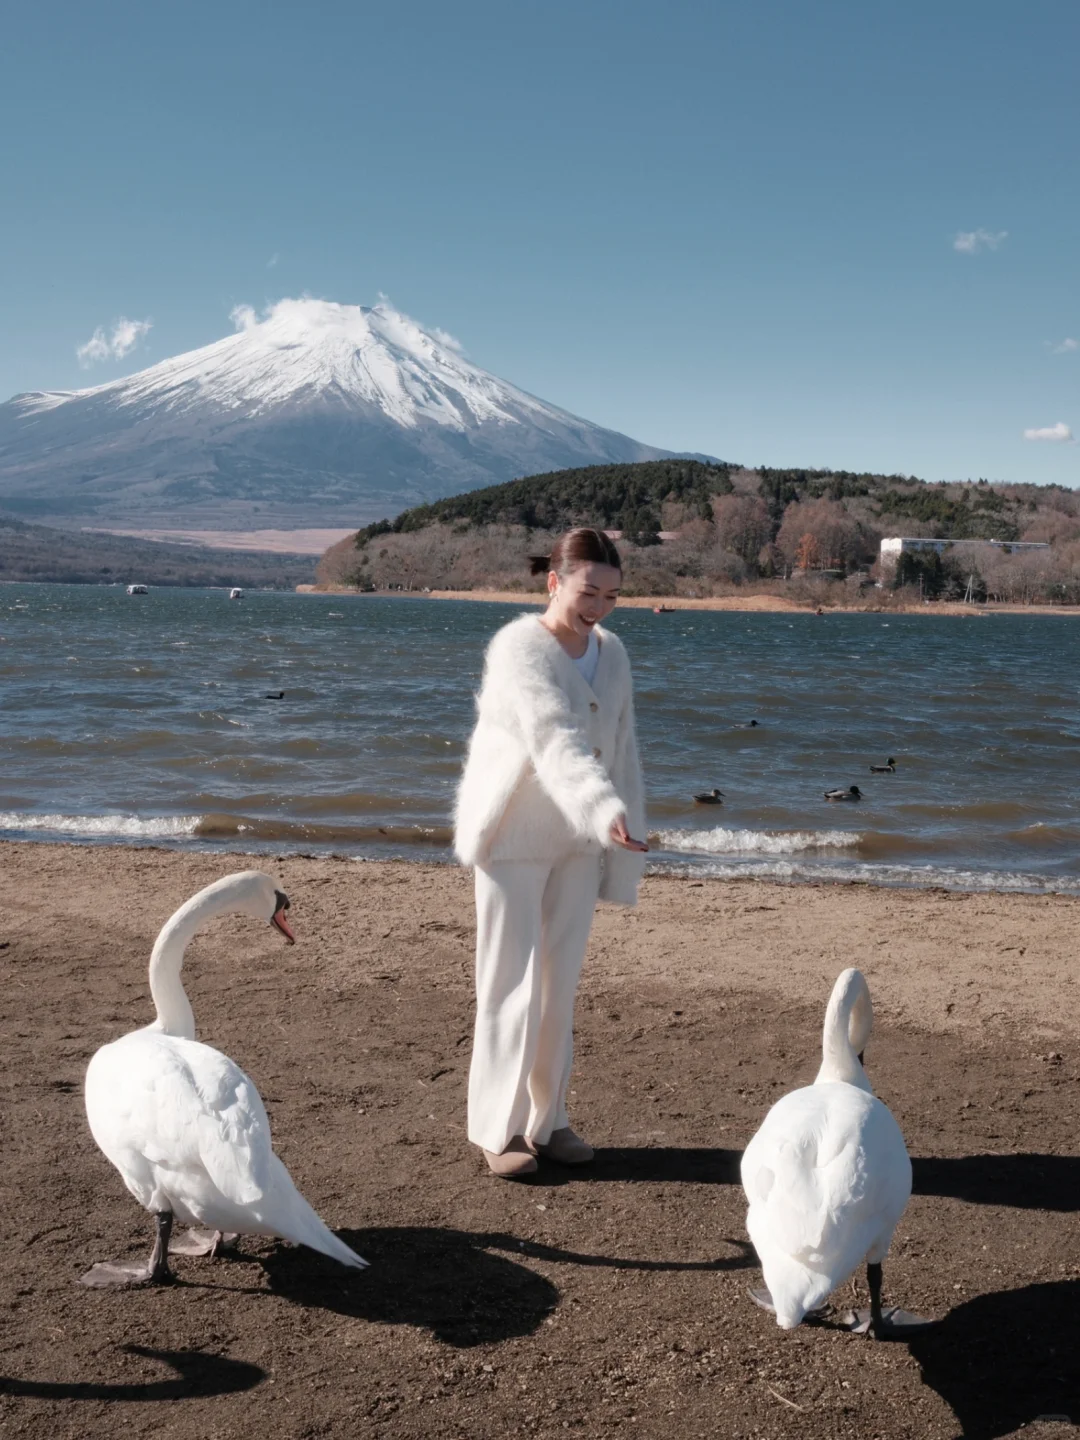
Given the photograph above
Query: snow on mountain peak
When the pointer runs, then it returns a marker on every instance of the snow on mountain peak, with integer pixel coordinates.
(309, 412)
(308, 353)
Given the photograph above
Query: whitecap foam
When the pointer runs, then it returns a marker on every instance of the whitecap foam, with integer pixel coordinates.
(121, 826)
(910, 877)
(722, 841)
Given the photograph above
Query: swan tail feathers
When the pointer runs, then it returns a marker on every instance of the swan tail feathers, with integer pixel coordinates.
(318, 1236)
(293, 1219)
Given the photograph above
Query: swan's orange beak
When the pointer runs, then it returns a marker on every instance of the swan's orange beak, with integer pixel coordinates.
(280, 923)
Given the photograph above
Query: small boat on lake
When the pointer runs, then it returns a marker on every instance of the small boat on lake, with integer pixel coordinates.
(236, 593)
(137, 590)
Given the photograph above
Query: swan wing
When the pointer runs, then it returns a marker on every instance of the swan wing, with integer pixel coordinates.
(232, 1128)
(179, 1106)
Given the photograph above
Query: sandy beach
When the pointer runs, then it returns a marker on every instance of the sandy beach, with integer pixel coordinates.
(603, 1302)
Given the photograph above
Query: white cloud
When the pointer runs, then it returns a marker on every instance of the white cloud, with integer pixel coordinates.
(96, 348)
(970, 242)
(1066, 345)
(307, 310)
(1060, 431)
(243, 317)
(440, 336)
(274, 258)
(126, 334)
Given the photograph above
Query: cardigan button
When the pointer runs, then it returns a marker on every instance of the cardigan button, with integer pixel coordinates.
(593, 705)
(598, 753)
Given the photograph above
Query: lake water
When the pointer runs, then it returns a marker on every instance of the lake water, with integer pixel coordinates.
(146, 719)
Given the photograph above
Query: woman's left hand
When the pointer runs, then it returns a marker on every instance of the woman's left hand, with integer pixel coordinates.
(621, 836)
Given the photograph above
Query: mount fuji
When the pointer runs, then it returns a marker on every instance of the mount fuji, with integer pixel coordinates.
(316, 414)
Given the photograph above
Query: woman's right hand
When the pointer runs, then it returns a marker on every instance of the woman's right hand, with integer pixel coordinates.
(622, 837)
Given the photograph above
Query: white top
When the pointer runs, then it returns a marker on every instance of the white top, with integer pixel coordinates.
(552, 762)
(588, 662)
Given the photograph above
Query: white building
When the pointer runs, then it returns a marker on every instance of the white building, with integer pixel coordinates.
(895, 546)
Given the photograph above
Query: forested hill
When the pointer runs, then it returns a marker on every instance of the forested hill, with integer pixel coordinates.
(642, 499)
(617, 497)
(695, 527)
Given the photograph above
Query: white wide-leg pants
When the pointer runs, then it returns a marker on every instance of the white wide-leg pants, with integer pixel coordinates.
(532, 927)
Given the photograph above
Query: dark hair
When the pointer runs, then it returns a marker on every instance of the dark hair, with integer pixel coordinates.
(583, 546)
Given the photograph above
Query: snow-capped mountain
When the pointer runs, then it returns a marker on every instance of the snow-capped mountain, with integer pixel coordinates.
(317, 414)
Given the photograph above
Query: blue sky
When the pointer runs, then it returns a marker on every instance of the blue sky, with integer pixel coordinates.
(727, 227)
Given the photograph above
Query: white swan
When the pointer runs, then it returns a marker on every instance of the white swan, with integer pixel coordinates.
(183, 1124)
(827, 1177)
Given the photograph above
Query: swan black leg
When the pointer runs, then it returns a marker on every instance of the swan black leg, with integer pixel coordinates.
(158, 1268)
(877, 1320)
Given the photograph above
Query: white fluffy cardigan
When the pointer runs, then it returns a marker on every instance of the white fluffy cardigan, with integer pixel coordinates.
(552, 761)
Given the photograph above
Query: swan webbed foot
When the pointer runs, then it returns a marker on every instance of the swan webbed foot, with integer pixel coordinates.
(202, 1242)
(126, 1273)
(894, 1324)
(889, 1324)
(116, 1273)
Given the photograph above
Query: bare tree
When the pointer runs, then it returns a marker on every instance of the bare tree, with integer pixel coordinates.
(742, 525)
(836, 534)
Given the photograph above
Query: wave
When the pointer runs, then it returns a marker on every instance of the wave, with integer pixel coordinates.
(912, 877)
(220, 825)
(217, 826)
(722, 841)
(169, 827)
(1047, 836)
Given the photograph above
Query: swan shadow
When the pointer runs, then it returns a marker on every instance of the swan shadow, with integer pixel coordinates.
(1004, 1360)
(1024, 1182)
(198, 1375)
(466, 1288)
(743, 1259)
(681, 1165)
(442, 1280)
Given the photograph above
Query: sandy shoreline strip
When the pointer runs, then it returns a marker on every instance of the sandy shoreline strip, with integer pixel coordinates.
(605, 1302)
(942, 960)
(748, 604)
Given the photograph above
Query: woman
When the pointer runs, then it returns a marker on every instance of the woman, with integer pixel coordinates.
(546, 811)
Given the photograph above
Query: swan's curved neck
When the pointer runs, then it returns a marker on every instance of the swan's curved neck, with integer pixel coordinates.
(174, 1013)
(848, 1011)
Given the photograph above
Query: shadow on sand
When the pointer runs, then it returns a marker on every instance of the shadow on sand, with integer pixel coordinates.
(443, 1280)
(691, 1166)
(197, 1375)
(1005, 1360)
(1024, 1182)
(454, 1283)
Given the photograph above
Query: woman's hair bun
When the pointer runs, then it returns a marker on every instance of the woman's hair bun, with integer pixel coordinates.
(583, 546)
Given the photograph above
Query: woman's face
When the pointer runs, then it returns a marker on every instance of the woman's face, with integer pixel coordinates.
(584, 596)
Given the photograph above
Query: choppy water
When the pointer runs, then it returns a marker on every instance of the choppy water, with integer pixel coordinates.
(146, 719)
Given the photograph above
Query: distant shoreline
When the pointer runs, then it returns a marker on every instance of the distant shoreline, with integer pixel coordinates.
(746, 604)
